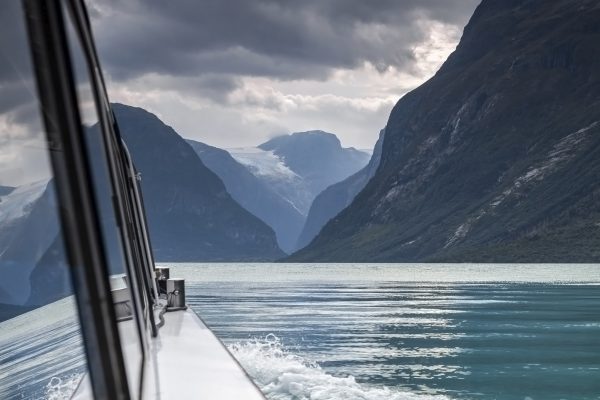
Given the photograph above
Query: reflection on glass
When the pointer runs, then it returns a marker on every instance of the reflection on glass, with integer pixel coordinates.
(121, 282)
(41, 352)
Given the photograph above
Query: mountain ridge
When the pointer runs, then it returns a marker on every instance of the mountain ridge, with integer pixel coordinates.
(467, 161)
(338, 196)
(253, 194)
(191, 215)
(301, 165)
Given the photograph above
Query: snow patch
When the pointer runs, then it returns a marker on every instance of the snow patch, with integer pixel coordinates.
(263, 163)
(459, 234)
(561, 152)
(270, 168)
(392, 194)
(18, 203)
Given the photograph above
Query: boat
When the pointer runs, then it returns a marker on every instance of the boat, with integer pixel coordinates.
(141, 340)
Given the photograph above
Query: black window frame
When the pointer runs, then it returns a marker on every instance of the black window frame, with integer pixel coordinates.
(78, 208)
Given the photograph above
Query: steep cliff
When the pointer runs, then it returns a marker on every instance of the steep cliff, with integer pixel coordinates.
(191, 216)
(495, 158)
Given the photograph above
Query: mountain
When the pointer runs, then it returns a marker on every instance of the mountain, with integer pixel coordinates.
(272, 171)
(29, 221)
(4, 190)
(8, 311)
(191, 216)
(301, 165)
(253, 194)
(317, 157)
(296, 168)
(494, 159)
(337, 197)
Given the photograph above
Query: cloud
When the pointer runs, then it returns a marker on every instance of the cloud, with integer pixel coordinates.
(236, 72)
(279, 39)
(23, 155)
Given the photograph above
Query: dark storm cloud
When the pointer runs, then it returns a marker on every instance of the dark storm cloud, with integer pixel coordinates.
(13, 95)
(16, 81)
(13, 43)
(273, 38)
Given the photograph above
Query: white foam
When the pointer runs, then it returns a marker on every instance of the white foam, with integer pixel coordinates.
(62, 388)
(285, 376)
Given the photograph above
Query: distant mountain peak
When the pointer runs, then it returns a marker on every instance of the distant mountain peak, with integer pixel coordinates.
(338, 196)
(306, 138)
(247, 183)
(302, 164)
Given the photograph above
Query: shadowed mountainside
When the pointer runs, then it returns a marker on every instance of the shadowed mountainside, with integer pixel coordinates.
(253, 194)
(191, 216)
(495, 158)
(337, 197)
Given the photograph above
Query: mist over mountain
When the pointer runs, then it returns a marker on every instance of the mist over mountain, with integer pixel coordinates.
(495, 158)
(254, 194)
(191, 215)
(338, 196)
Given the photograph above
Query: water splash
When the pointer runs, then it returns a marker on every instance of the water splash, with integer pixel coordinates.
(62, 388)
(282, 375)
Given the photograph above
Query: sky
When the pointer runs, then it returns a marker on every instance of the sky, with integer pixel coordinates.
(235, 73)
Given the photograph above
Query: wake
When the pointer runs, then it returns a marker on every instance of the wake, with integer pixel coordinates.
(285, 376)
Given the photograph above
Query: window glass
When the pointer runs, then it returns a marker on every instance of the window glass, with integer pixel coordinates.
(41, 349)
(123, 280)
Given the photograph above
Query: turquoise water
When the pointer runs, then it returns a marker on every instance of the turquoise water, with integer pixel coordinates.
(403, 332)
(369, 332)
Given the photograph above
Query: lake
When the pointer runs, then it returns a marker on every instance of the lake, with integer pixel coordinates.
(393, 331)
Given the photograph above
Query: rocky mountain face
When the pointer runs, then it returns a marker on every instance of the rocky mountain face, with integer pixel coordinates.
(338, 196)
(495, 158)
(253, 194)
(191, 215)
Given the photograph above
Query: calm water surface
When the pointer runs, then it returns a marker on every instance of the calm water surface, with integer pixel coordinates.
(407, 331)
(355, 331)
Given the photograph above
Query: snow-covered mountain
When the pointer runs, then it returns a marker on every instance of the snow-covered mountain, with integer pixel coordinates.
(28, 228)
(301, 165)
(191, 216)
(254, 194)
(266, 166)
(17, 202)
(297, 168)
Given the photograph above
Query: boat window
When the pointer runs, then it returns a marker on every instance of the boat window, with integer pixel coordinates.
(41, 349)
(110, 187)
